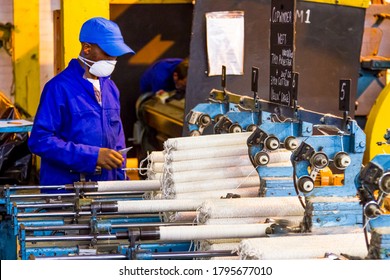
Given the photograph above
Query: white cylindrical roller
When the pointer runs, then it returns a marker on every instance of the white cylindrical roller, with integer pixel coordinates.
(231, 258)
(216, 162)
(155, 206)
(303, 247)
(155, 176)
(181, 233)
(183, 216)
(211, 174)
(250, 207)
(132, 185)
(208, 152)
(234, 221)
(279, 164)
(218, 184)
(156, 196)
(157, 167)
(243, 192)
(206, 245)
(290, 220)
(280, 155)
(183, 143)
(157, 156)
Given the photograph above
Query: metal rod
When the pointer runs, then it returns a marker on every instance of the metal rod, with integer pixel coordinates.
(45, 205)
(46, 195)
(85, 257)
(132, 225)
(35, 187)
(67, 194)
(69, 238)
(72, 214)
(62, 227)
(113, 226)
(114, 193)
(190, 255)
(52, 214)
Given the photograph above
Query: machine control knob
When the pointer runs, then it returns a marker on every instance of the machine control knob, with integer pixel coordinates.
(195, 133)
(251, 127)
(384, 183)
(291, 143)
(204, 120)
(235, 128)
(342, 160)
(218, 117)
(272, 143)
(261, 158)
(372, 210)
(305, 184)
(320, 160)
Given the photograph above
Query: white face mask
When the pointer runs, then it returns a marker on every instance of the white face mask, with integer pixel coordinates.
(101, 68)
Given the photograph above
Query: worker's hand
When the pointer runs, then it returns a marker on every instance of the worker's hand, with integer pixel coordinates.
(109, 159)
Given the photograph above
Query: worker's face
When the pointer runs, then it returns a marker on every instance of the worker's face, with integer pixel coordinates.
(95, 53)
(180, 84)
(100, 63)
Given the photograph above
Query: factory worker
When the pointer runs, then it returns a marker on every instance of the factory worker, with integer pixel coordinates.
(168, 74)
(77, 130)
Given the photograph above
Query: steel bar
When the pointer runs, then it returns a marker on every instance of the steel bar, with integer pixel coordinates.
(44, 205)
(85, 257)
(113, 226)
(69, 238)
(190, 255)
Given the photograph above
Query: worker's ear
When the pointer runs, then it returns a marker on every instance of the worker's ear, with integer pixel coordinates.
(86, 48)
(175, 76)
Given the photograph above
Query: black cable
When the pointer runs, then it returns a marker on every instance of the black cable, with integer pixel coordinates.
(365, 231)
(296, 187)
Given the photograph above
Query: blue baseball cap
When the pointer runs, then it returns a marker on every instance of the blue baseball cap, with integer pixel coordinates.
(106, 34)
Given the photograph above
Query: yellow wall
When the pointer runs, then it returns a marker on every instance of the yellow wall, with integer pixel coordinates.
(26, 54)
(150, 1)
(74, 13)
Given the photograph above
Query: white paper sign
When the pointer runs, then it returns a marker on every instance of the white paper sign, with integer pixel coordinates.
(225, 42)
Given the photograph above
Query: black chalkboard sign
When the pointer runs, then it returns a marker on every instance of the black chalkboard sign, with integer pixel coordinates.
(282, 51)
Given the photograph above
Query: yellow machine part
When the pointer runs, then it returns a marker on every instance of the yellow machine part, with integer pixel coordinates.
(132, 164)
(386, 205)
(326, 178)
(378, 122)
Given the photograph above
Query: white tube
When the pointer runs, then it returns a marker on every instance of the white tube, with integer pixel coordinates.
(207, 152)
(206, 245)
(243, 192)
(203, 141)
(290, 220)
(281, 155)
(131, 185)
(201, 164)
(211, 174)
(218, 184)
(183, 216)
(157, 167)
(155, 206)
(179, 233)
(155, 176)
(157, 156)
(303, 247)
(250, 207)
